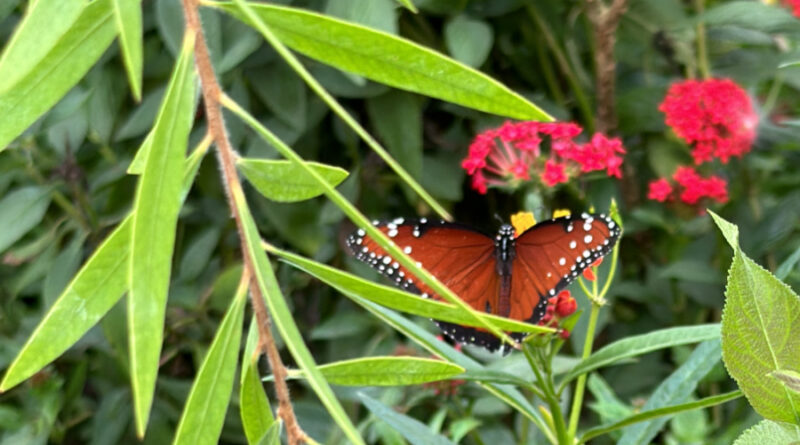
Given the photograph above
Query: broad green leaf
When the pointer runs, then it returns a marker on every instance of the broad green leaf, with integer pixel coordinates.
(204, 413)
(128, 18)
(468, 40)
(675, 389)
(283, 181)
(749, 15)
(769, 432)
(395, 298)
(254, 408)
(660, 412)
(284, 94)
(790, 379)
(272, 436)
(136, 166)
(642, 344)
(283, 319)
(416, 432)
(389, 59)
(21, 211)
(156, 207)
(760, 333)
(386, 371)
(58, 71)
(379, 15)
(397, 118)
(97, 286)
(44, 23)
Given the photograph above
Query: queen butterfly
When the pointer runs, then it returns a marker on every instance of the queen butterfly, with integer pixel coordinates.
(502, 275)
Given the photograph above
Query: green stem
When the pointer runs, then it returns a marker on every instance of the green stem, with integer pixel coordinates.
(577, 400)
(702, 53)
(550, 397)
(337, 108)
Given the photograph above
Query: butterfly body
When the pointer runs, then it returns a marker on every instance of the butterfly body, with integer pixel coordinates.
(507, 275)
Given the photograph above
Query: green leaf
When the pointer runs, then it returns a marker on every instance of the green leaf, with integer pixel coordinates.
(204, 413)
(468, 40)
(416, 432)
(284, 94)
(760, 333)
(376, 14)
(675, 389)
(386, 371)
(790, 379)
(21, 211)
(98, 285)
(394, 298)
(397, 118)
(641, 344)
(773, 433)
(58, 71)
(283, 181)
(254, 408)
(156, 207)
(659, 412)
(128, 18)
(272, 436)
(390, 59)
(749, 15)
(788, 265)
(44, 23)
(282, 316)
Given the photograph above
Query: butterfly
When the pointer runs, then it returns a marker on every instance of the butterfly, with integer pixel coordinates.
(505, 275)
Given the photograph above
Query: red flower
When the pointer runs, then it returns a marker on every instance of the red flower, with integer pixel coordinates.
(794, 5)
(511, 153)
(553, 173)
(566, 307)
(715, 115)
(659, 190)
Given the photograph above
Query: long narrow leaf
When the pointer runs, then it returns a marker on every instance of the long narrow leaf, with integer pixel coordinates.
(389, 59)
(642, 344)
(58, 71)
(386, 371)
(97, 286)
(204, 413)
(128, 18)
(675, 389)
(416, 432)
(156, 210)
(395, 298)
(282, 316)
(658, 412)
(254, 408)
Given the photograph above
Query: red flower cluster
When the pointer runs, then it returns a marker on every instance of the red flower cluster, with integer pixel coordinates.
(559, 307)
(507, 155)
(695, 187)
(794, 5)
(715, 115)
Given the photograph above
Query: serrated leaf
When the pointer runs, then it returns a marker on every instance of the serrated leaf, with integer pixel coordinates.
(58, 71)
(773, 433)
(20, 211)
(386, 371)
(283, 181)
(389, 59)
(674, 389)
(204, 413)
(128, 19)
(642, 344)
(394, 298)
(760, 326)
(416, 432)
(97, 286)
(156, 207)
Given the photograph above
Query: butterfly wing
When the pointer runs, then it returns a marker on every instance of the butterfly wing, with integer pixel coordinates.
(460, 257)
(551, 255)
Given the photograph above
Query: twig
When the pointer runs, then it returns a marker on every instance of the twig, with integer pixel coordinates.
(211, 99)
(605, 20)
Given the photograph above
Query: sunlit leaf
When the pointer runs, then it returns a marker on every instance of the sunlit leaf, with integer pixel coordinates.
(283, 181)
(387, 371)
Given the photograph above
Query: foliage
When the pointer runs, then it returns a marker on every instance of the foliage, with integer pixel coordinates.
(129, 257)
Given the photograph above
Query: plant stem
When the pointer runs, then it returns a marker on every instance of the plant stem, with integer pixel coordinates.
(550, 397)
(577, 399)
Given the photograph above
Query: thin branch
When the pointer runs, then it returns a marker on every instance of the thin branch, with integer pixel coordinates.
(211, 99)
(605, 20)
